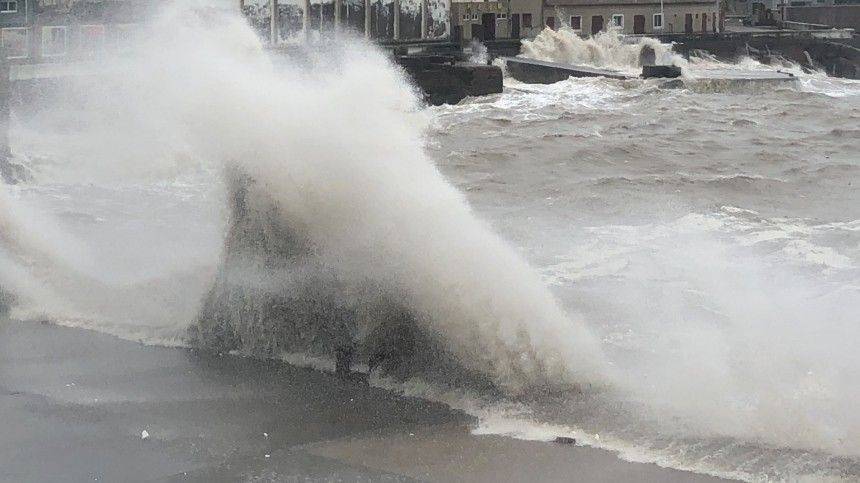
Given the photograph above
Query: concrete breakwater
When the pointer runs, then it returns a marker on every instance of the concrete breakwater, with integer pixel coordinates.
(445, 80)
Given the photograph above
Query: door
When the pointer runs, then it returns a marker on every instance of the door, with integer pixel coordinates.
(638, 24)
(515, 25)
(688, 23)
(704, 23)
(477, 31)
(488, 20)
(457, 33)
(550, 23)
(596, 24)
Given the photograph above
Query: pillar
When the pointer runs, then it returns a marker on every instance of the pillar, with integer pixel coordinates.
(306, 19)
(396, 19)
(274, 26)
(367, 11)
(5, 110)
(338, 6)
(424, 19)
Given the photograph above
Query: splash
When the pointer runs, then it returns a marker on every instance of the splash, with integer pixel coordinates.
(608, 49)
(354, 185)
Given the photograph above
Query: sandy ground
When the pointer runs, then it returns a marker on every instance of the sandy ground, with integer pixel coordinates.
(74, 403)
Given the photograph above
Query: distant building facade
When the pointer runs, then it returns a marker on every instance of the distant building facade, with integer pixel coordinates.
(501, 19)
(58, 30)
(496, 19)
(649, 17)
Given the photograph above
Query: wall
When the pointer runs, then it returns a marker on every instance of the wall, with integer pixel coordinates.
(842, 16)
(837, 58)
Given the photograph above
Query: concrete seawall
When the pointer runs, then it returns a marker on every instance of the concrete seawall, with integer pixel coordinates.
(838, 57)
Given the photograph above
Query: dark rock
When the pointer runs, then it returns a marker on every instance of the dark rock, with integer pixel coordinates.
(673, 84)
(660, 71)
(564, 440)
(647, 55)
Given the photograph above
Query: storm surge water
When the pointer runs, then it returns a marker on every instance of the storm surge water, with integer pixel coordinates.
(695, 254)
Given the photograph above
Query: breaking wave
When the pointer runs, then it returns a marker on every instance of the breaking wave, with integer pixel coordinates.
(289, 209)
(608, 49)
(346, 198)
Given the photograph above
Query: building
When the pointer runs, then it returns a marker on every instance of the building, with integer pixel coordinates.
(59, 30)
(651, 17)
(495, 19)
(16, 21)
(501, 19)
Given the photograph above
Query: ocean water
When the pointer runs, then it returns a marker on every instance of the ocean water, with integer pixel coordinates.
(681, 267)
(710, 239)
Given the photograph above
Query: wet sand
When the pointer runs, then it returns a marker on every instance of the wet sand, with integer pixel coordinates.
(74, 403)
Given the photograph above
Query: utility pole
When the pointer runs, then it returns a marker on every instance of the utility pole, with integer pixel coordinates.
(338, 6)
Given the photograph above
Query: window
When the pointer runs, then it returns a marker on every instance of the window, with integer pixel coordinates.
(576, 22)
(16, 42)
(92, 38)
(474, 16)
(466, 16)
(8, 6)
(502, 16)
(527, 20)
(123, 36)
(54, 41)
(658, 21)
(618, 20)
